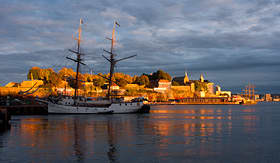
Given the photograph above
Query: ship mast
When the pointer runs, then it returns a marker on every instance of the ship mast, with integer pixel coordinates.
(78, 60)
(249, 92)
(112, 59)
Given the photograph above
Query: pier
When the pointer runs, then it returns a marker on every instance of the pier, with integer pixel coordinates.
(4, 118)
(197, 101)
(19, 105)
(16, 105)
(27, 109)
(7, 111)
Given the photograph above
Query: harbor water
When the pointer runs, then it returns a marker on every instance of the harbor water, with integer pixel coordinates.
(169, 133)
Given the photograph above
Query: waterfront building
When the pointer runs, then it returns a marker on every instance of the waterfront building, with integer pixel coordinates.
(275, 97)
(268, 97)
(185, 81)
(237, 98)
(202, 94)
(182, 88)
(65, 91)
(257, 97)
(192, 87)
(182, 80)
(31, 83)
(221, 93)
(218, 90)
(11, 84)
(113, 87)
(13, 88)
(225, 93)
(210, 88)
(163, 85)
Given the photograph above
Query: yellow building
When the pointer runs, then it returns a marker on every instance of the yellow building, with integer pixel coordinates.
(182, 88)
(133, 86)
(31, 83)
(182, 80)
(210, 88)
(11, 84)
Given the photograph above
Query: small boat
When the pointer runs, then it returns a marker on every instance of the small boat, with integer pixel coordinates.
(81, 105)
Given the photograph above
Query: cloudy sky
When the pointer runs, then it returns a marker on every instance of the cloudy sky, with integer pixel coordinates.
(232, 42)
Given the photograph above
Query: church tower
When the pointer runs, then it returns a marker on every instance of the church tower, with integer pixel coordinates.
(201, 78)
(186, 78)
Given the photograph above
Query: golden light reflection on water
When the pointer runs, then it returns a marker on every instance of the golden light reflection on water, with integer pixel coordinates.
(204, 123)
(249, 110)
(194, 113)
(169, 111)
(162, 125)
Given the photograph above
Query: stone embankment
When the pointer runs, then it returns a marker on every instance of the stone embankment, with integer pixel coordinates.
(4, 118)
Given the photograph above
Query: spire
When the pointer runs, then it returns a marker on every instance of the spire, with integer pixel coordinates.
(186, 79)
(201, 78)
(31, 76)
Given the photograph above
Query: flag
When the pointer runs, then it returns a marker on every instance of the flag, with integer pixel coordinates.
(117, 23)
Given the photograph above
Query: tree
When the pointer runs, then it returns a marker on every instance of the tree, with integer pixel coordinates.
(121, 82)
(40, 74)
(160, 74)
(142, 80)
(98, 82)
(88, 77)
(55, 80)
(174, 83)
(66, 72)
(34, 73)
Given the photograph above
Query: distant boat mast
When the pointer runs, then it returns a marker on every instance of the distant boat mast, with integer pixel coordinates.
(249, 92)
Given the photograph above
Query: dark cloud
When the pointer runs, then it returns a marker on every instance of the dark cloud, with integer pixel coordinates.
(231, 42)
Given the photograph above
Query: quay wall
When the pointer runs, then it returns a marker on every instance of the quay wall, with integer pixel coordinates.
(4, 118)
(27, 110)
(193, 103)
(197, 101)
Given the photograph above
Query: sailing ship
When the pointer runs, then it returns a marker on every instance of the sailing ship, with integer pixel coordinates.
(82, 105)
(249, 95)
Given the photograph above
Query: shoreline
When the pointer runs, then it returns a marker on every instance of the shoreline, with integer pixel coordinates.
(194, 103)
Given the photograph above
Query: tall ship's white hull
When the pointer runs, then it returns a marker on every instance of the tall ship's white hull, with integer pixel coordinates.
(130, 107)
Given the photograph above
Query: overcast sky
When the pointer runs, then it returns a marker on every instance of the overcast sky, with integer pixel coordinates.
(232, 42)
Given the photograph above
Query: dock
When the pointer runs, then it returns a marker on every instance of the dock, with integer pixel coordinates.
(7, 111)
(193, 103)
(27, 109)
(4, 118)
(197, 101)
(19, 105)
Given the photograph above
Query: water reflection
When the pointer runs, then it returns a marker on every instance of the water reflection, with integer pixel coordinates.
(112, 152)
(78, 140)
(168, 131)
(195, 121)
